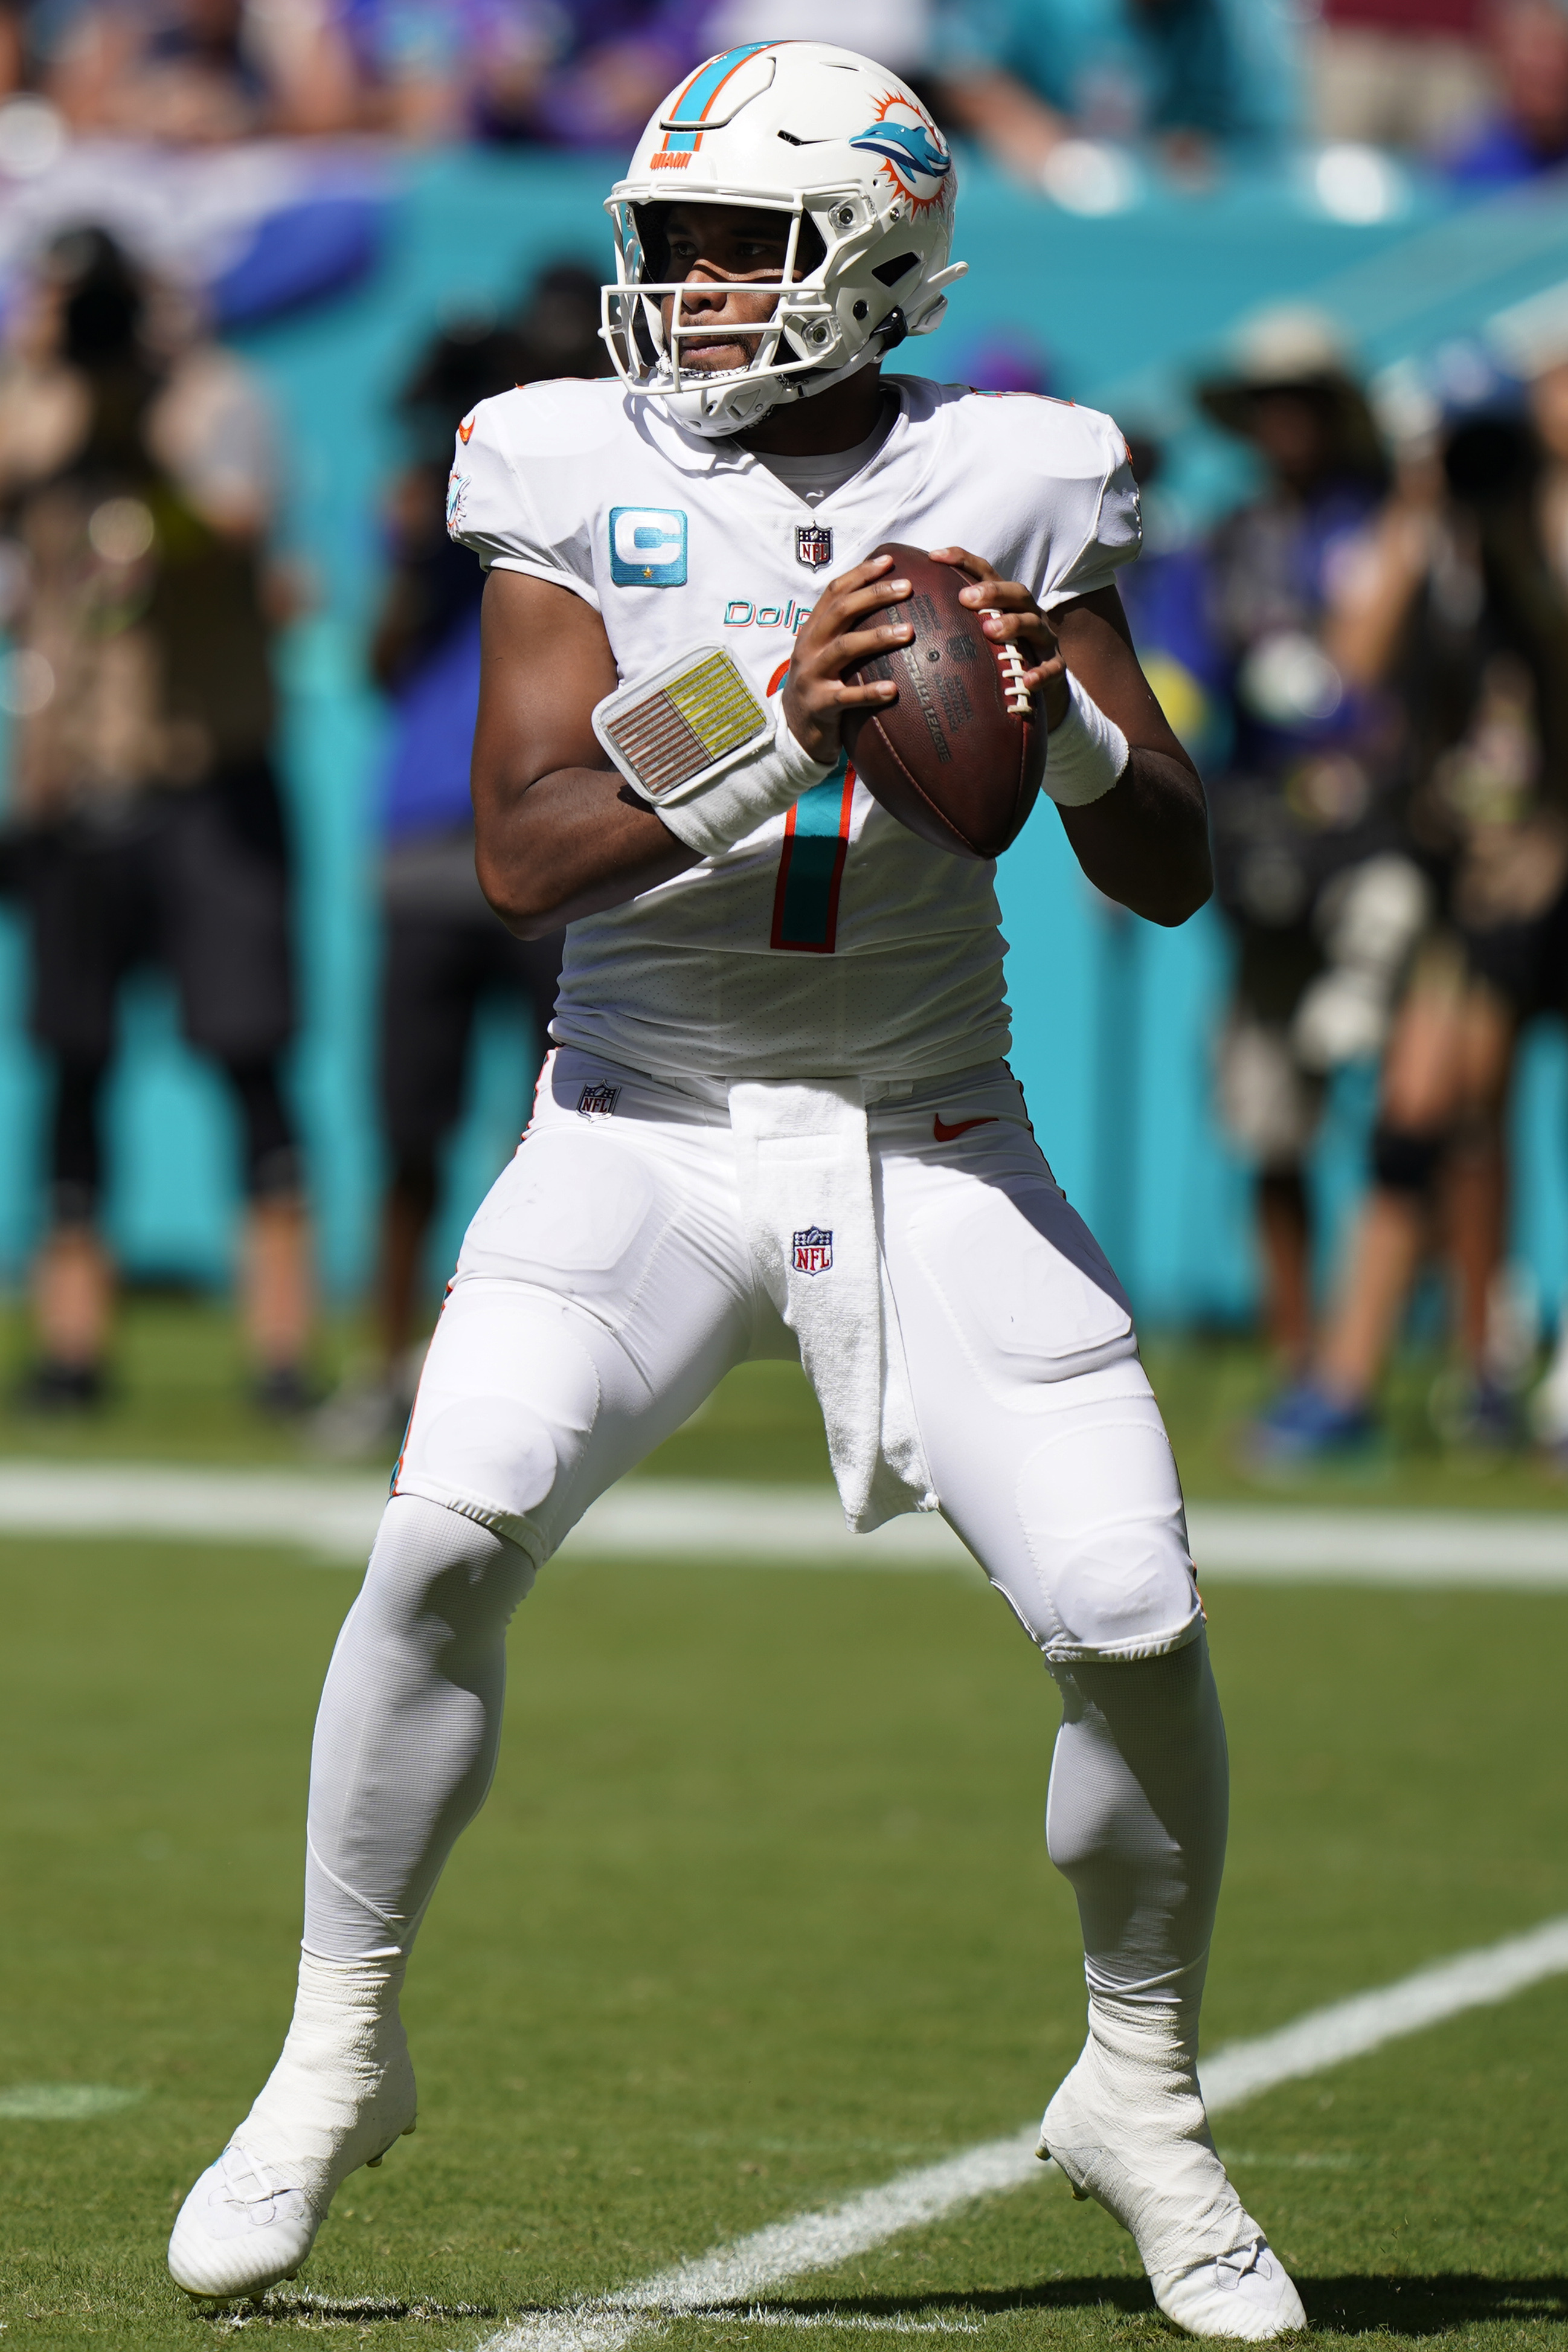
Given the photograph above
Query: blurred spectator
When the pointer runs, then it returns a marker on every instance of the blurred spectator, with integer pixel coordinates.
(144, 826)
(1459, 598)
(1166, 594)
(1527, 131)
(443, 949)
(1021, 75)
(572, 73)
(897, 33)
(193, 72)
(1309, 863)
(13, 46)
(1400, 73)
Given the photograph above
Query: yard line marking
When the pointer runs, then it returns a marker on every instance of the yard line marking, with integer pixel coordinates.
(814, 2242)
(63, 2102)
(334, 1516)
(1326, 2037)
(762, 2315)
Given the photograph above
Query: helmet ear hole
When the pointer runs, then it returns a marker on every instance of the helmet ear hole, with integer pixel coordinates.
(890, 272)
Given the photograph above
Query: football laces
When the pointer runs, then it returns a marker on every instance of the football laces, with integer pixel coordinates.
(1013, 667)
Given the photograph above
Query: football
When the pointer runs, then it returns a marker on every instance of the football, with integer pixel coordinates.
(959, 757)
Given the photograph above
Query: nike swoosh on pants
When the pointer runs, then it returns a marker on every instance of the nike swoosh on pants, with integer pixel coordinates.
(946, 1134)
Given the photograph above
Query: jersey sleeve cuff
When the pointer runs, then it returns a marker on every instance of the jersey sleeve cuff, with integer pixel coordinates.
(1103, 576)
(556, 578)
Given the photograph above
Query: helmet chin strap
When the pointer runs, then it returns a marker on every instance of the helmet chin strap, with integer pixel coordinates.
(884, 339)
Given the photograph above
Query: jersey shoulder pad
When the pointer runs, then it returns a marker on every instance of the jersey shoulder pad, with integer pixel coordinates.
(569, 416)
(1053, 437)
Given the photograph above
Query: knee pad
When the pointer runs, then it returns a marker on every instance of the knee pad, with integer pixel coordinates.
(1403, 1162)
(1100, 1511)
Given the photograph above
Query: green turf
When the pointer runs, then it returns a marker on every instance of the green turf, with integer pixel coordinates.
(758, 1912)
(180, 1394)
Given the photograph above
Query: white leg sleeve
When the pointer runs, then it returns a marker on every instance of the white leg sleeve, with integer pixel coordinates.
(1135, 1821)
(409, 1727)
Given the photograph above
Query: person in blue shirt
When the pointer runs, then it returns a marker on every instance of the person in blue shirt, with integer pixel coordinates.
(443, 950)
(1528, 133)
(1023, 75)
(1312, 871)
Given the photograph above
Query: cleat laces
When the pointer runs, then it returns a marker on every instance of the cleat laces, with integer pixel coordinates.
(249, 2183)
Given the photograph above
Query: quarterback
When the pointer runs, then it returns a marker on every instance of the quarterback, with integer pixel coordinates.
(777, 1117)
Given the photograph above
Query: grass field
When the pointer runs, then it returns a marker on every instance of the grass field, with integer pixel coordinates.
(759, 1913)
(179, 1394)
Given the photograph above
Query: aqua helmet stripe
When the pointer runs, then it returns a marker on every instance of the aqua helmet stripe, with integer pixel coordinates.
(691, 109)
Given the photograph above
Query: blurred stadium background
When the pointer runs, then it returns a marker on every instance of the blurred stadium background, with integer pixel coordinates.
(758, 1913)
(330, 265)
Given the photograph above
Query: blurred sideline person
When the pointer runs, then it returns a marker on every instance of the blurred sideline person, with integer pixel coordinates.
(1400, 73)
(193, 73)
(777, 1119)
(1023, 76)
(1311, 867)
(1457, 600)
(569, 73)
(443, 950)
(1525, 130)
(896, 33)
(145, 826)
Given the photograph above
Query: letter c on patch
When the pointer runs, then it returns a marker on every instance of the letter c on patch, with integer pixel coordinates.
(647, 547)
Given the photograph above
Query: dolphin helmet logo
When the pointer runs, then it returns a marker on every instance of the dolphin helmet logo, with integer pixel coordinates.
(912, 153)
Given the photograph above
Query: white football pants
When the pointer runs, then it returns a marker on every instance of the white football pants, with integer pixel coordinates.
(603, 1289)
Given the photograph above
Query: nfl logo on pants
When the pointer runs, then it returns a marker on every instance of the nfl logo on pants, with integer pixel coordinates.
(813, 545)
(813, 1250)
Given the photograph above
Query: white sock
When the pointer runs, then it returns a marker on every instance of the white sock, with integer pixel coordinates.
(1136, 2085)
(343, 2088)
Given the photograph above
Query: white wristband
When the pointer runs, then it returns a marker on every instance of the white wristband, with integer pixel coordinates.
(1086, 754)
(715, 816)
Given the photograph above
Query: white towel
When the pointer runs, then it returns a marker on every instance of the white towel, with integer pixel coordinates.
(804, 1166)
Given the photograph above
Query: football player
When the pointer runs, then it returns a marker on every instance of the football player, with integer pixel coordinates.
(777, 1117)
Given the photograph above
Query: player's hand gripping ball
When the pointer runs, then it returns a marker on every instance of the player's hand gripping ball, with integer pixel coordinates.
(939, 675)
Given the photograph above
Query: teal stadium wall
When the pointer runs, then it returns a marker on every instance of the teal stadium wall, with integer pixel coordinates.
(1114, 1019)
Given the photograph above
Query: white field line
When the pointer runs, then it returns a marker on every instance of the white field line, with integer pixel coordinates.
(334, 1517)
(734, 2275)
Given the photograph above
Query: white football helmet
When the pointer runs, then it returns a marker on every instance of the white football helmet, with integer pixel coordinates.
(824, 137)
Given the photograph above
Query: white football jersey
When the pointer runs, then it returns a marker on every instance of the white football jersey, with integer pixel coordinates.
(831, 942)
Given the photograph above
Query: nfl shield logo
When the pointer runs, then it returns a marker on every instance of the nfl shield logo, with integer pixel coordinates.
(813, 545)
(598, 1102)
(814, 1250)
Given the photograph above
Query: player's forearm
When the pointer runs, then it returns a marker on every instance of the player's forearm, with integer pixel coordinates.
(1146, 844)
(572, 843)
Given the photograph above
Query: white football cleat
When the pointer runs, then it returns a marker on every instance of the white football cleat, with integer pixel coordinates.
(243, 2226)
(1128, 2128)
(340, 2095)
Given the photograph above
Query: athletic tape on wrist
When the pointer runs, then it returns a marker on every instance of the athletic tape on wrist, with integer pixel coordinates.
(696, 742)
(1086, 754)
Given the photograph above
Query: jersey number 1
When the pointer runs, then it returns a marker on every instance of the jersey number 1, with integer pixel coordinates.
(811, 866)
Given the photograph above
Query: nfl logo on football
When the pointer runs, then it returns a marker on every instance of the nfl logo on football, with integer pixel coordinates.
(813, 545)
(813, 1250)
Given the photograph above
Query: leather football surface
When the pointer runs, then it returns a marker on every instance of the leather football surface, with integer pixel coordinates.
(959, 756)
